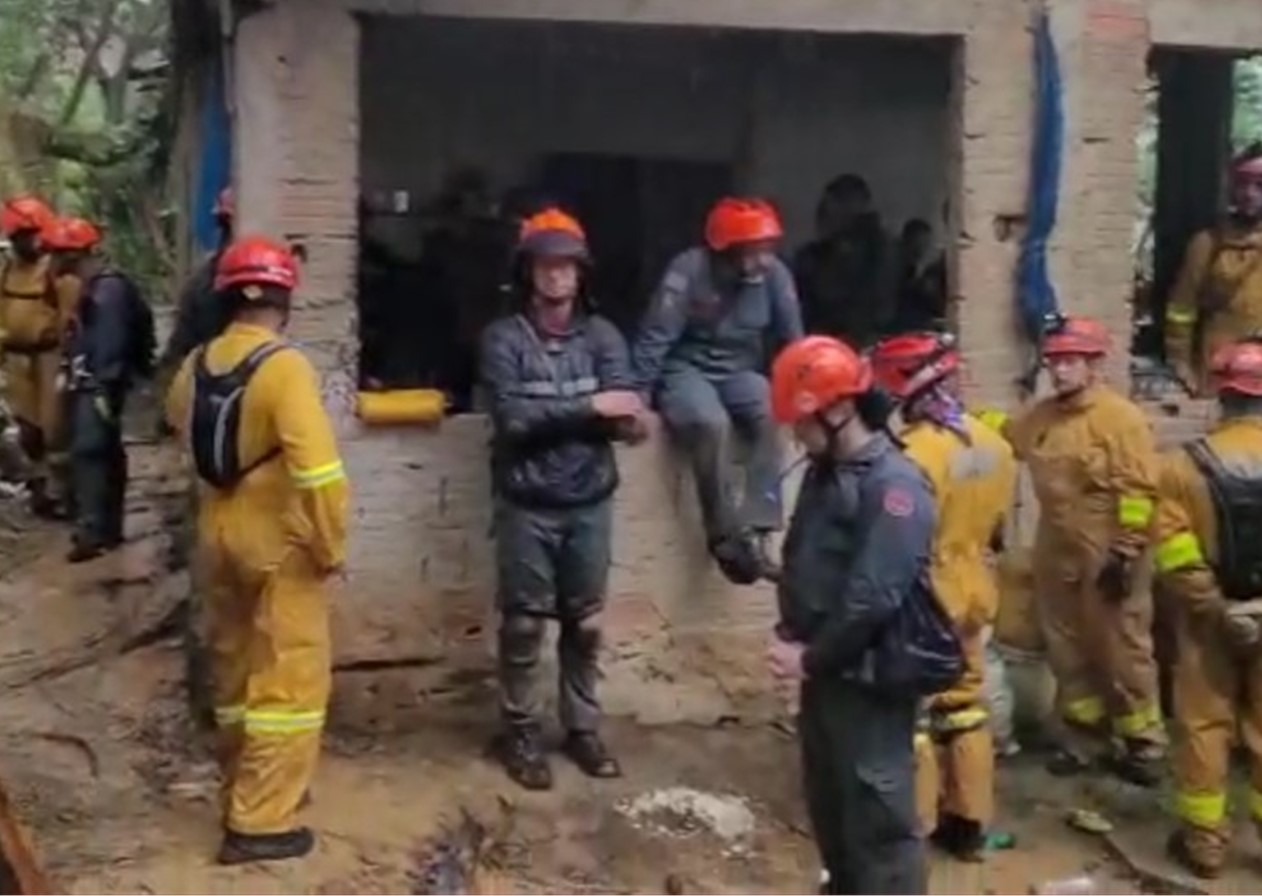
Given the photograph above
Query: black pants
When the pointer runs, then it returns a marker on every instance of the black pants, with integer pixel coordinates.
(552, 564)
(98, 467)
(859, 767)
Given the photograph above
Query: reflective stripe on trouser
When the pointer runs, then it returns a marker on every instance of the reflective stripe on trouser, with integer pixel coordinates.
(1216, 695)
(269, 641)
(964, 745)
(1100, 650)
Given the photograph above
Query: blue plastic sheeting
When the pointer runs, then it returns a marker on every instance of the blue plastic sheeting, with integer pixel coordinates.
(214, 167)
(1036, 296)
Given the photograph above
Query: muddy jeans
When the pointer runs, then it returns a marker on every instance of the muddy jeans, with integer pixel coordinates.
(859, 768)
(552, 564)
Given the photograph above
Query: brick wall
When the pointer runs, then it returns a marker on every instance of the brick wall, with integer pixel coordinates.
(682, 643)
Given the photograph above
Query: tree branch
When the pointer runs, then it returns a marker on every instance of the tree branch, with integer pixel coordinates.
(104, 30)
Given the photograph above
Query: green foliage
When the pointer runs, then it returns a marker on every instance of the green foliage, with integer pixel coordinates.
(1247, 124)
(84, 118)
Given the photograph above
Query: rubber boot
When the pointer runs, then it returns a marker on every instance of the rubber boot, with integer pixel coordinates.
(589, 753)
(963, 838)
(1139, 762)
(738, 558)
(238, 849)
(1200, 850)
(522, 756)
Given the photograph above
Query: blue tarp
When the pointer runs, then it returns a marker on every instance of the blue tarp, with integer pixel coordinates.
(1036, 296)
(214, 166)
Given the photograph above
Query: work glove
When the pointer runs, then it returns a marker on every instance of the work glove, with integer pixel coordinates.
(1243, 631)
(1117, 578)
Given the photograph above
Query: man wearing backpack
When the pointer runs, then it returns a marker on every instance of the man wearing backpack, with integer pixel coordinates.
(109, 345)
(271, 533)
(859, 625)
(974, 475)
(32, 314)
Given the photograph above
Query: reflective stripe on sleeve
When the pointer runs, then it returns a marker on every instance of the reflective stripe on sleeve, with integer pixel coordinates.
(315, 477)
(1180, 551)
(1133, 511)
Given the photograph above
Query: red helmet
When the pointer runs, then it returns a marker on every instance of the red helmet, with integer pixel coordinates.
(814, 373)
(554, 233)
(71, 235)
(735, 221)
(906, 364)
(24, 213)
(1077, 336)
(256, 261)
(1238, 368)
(225, 204)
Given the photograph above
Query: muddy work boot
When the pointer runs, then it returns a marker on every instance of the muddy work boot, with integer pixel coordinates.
(43, 505)
(238, 849)
(84, 549)
(962, 838)
(738, 558)
(589, 753)
(1138, 762)
(522, 756)
(1201, 851)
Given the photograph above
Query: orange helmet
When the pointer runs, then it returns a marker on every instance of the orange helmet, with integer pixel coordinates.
(735, 221)
(814, 373)
(552, 232)
(71, 235)
(1076, 336)
(24, 213)
(904, 365)
(1238, 368)
(256, 261)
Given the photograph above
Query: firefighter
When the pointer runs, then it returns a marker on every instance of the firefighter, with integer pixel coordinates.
(1094, 467)
(105, 355)
(30, 318)
(857, 550)
(973, 474)
(1217, 297)
(561, 393)
(701, 354)
(1209, 560)
(272, 532)
(200, 316)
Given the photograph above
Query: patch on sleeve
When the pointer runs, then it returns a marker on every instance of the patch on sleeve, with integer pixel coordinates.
(898, 502)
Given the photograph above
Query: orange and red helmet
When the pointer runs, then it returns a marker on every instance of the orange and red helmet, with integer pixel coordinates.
(906, 364)
(225, 204)
(551, 232)
(256, 261)
(1237, 368)
(734, 221)
(24, 213)
(814, 373)
(1076, 336)
(70, 235)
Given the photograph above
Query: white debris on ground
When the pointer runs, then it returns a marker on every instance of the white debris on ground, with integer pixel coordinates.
(683, 812)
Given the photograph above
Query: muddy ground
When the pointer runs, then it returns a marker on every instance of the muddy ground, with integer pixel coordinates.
(117, 787)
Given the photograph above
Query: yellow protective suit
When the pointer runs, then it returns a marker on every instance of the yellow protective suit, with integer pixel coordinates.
(1094, 468)
(1217, 298)
(974, 479)
(1215, 688)
(268, 546)
(32, 320)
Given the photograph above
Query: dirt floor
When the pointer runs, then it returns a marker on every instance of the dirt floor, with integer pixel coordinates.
(118, 790)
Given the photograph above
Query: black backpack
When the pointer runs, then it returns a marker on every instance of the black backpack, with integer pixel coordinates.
(216, 419)
(142, 341)
(919, 650)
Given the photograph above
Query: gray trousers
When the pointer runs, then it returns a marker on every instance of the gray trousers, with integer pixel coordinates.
(858, 764)
(701, 411)
(98, 468)
(552, 564)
